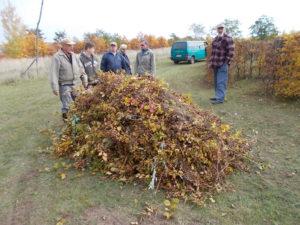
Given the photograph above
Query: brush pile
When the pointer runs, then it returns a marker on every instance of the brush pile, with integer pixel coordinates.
(137, 129)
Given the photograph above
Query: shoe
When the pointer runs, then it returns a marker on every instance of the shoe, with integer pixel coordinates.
(213, 99)
(64, 116)
(216, 102)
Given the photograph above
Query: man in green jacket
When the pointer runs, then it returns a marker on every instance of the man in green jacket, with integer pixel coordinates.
(66, 73)
(145, 61)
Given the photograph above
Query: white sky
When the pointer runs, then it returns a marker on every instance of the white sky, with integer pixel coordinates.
(158, 17)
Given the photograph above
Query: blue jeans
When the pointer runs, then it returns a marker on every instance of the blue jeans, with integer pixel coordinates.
(220, 80)
(67, 96)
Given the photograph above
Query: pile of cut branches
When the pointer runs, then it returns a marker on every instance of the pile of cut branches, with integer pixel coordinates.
(137, 129)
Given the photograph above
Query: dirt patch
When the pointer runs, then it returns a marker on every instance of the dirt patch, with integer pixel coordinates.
(21, 208)
(99, 215)
(103, 216)
(21, 212)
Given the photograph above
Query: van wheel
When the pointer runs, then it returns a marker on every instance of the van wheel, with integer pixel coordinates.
(192, 60)
(176, 62)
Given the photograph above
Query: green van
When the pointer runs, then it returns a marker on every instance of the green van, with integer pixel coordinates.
(190, 51)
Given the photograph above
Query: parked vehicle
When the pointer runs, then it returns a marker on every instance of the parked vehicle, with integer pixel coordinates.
(190, 51)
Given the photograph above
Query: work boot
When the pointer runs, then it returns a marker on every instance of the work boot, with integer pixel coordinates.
(64, 116)
(216, 102)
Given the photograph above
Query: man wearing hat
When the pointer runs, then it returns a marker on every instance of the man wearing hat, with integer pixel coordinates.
(221, 57)
(145, 60)
(123, 48)
(66, 72)
(112, 61)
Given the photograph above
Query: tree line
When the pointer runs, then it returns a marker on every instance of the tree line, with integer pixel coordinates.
(20, 40)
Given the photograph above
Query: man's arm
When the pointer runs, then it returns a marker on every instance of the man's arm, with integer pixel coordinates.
(103, 66)
(229, 50)
(136, 64)
(83, 75)
(124, 64)
(53, 75)
(152, 64)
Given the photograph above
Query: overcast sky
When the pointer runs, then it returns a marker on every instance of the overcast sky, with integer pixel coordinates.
(158, 17)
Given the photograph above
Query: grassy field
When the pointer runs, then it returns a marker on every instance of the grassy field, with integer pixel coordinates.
(32, 191)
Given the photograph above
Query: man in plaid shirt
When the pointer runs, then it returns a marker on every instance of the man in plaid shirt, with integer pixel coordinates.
(221, 56)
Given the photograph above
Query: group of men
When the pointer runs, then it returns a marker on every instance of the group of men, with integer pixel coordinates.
(68, 71)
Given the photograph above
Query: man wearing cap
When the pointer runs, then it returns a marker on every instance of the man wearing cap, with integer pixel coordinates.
(65, 73)
(112, 61)
(221, 57)
(123, 48)
(145, 61)
(90, 64)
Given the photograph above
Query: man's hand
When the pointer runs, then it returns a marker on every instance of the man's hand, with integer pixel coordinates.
(55, 92)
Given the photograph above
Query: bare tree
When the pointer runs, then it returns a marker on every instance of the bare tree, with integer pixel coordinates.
(198, 30)
(12, 23)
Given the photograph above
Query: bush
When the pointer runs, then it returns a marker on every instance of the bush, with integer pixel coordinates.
(276, 62)
(137, 129)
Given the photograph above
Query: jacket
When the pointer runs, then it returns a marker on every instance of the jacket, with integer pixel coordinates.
(222, 51)
(145, 63)
(63, 72)
(113, 63)
(90, 65)
(127, 63)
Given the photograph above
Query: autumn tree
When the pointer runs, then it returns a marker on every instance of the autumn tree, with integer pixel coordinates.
(20, 42)
(134, 43)
(12, 24)
(100, 43)
(198, 30)
(232, 27)
(13, 29)
(39, 32)
(59, 36)
(263, 28)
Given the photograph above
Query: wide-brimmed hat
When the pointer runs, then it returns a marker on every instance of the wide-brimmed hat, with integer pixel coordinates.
(67, 41)
(221, 25)
(113, 43)
(123, 46)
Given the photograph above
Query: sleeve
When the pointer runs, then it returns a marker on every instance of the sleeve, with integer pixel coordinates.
(80, 65)
(129, 66)
(123, 63)
(54, 73)
(136, 64)
(153, 64)
(229, 50)
(83, 75)
(103, 63)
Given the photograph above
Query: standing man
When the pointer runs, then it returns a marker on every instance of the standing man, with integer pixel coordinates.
(221, 56)
(112, 61)
(65, 74)
(90, 64)
(123, 48)
(145, 61)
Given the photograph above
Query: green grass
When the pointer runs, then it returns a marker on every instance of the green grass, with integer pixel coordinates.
(31, 195)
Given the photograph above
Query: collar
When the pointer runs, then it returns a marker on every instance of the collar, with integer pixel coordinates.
(61, 52)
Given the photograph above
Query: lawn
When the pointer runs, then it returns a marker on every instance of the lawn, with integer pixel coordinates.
(32, 191)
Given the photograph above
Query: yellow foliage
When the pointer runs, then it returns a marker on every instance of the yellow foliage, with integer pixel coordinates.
(276, 62)
(24, 46)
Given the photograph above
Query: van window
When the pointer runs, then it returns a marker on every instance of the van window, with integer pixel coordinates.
(179, 45)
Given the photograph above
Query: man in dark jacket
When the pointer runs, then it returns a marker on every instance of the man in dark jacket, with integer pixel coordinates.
(221, 56)
(90, 63)
(112, 61)
(123, 48)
